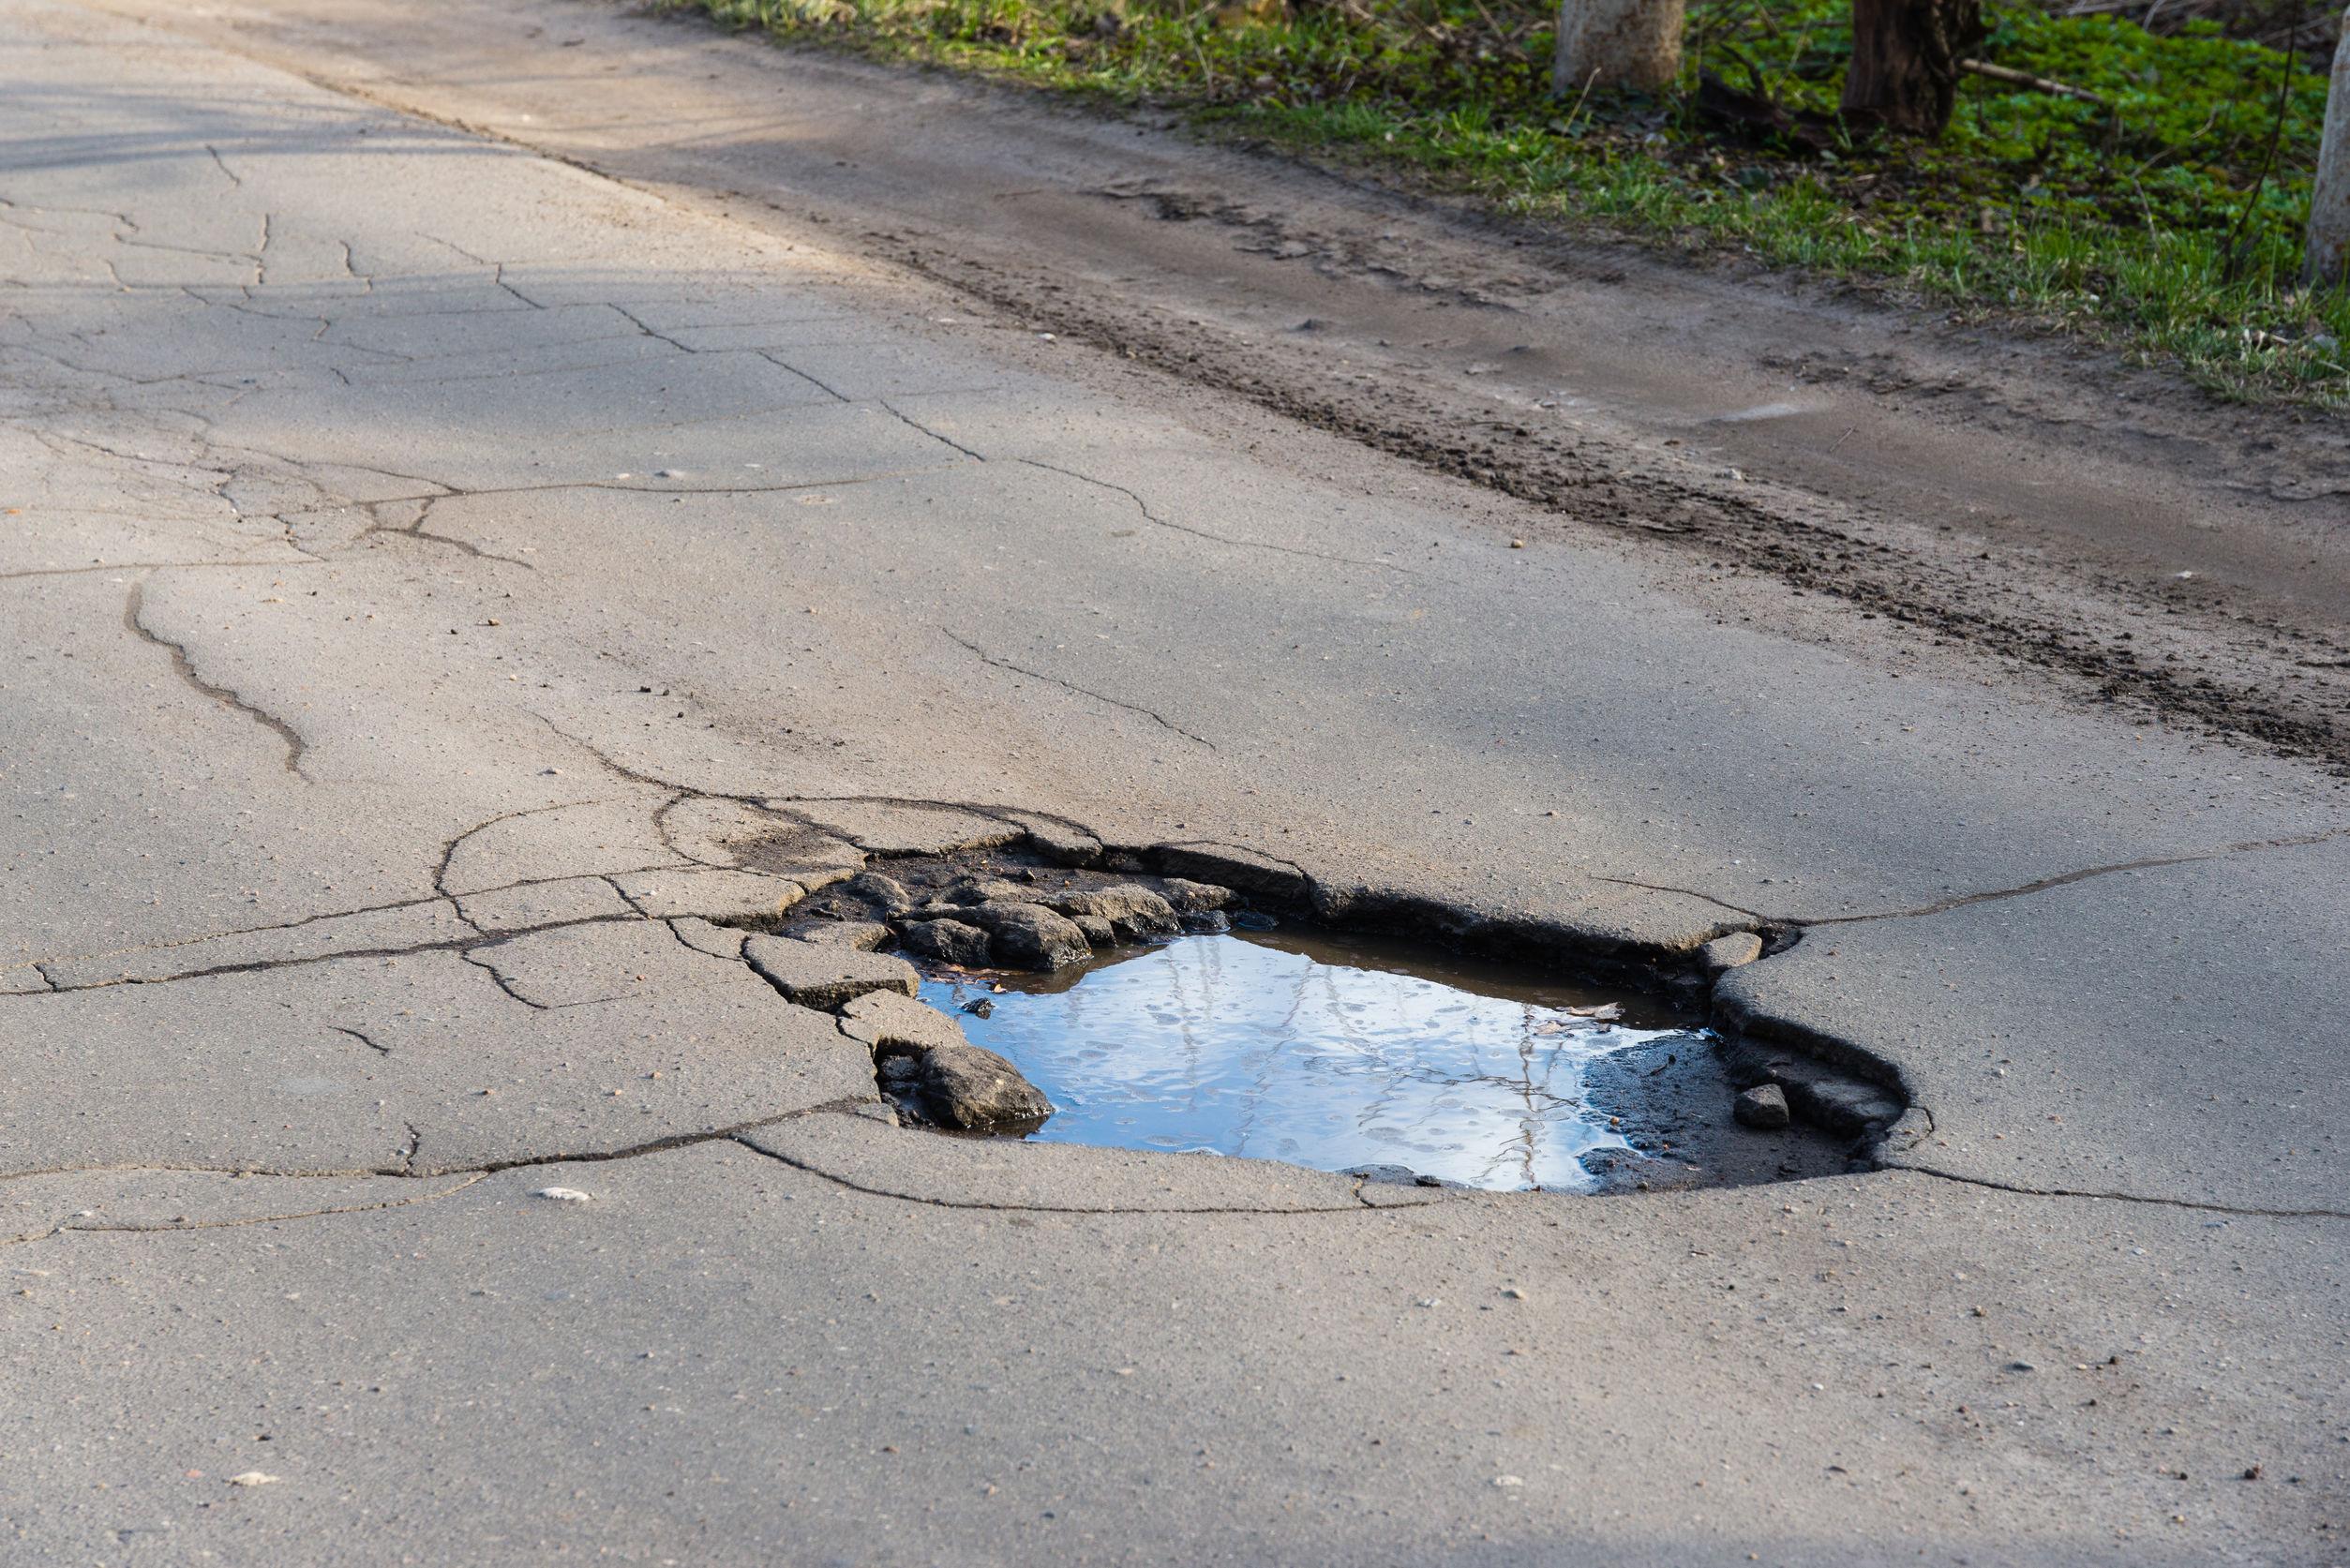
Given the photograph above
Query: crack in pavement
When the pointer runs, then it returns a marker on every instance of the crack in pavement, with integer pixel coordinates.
(496, 270)
(222, 164)
(986, 657)
(484, 1168)
(829, 390)
(1361, 1205)
(735, 1134)
(1961, 901)
(149, 566)
(448, 851)
(77, 1226)
(361, 1038)
(134, 605)
(498, 977)
(461, 946)
(2197, 1204)
(638, 322)
(417, 530)
(622, 770)
(295, 925)
(908, 419)
(1150, 516)
(2248, 847)
(1691, 893)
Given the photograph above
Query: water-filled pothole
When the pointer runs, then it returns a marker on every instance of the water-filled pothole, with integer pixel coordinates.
(1349, 1052)
(1156, 1011)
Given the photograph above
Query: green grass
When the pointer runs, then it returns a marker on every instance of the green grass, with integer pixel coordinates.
(2145, 222)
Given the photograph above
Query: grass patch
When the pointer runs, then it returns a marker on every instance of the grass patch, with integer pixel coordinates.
(2166, 220)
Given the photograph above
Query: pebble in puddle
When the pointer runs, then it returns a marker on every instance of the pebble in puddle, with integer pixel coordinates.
(1763, 1106)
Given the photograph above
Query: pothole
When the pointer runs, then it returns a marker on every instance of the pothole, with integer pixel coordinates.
(1110, 1002)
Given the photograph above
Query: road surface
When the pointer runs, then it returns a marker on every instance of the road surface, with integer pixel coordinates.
(445, 511)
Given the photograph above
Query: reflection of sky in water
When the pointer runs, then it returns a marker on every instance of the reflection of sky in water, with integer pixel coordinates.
(1210, 1042)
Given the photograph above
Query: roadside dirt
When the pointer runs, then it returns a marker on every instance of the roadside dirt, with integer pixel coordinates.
(1789, 450)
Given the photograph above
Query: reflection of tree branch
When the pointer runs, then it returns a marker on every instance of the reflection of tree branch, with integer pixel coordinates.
(1277, 1040)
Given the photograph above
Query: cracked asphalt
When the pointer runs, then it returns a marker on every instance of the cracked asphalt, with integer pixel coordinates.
(431, 560)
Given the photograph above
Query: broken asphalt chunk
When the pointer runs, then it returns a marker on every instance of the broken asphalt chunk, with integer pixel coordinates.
(823, 977)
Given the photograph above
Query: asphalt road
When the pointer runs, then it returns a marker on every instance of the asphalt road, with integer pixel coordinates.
(426, 554)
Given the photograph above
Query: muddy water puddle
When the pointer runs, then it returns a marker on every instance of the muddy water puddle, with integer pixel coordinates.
(1348, 1053)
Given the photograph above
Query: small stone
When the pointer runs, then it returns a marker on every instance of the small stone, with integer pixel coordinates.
(948, 941)
(1764, 1107)
(1729, 953)
(255, 1478)
(2021, 1366)
(1134, 912)
(980, 1007)
(977, 1090)
(885, 894)
(972, 891)
(563, 1195)
(1186, 896)
(1030, 936)
(1508, 1481)
(1513, 1292)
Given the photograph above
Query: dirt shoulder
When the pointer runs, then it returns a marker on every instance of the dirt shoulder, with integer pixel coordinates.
(1811, 459)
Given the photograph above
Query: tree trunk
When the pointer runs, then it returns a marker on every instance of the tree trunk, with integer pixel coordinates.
(2328, 260)
(1616, 43)
(1903, 74)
